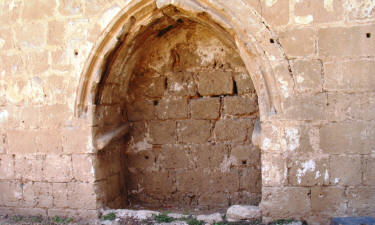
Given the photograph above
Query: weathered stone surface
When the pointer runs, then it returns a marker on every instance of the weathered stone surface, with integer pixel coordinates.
(174, 156)
(344, 170)
(172, 108)
(310, 11)
(7, 167)
(211, 218)
(205, 108)
(181, 84)
(235, 105)
(141, 110)
(274, 170)
(243, 212)
(308, 75)
(308, 172)
(298, 42)
(58, 168)
(285, 202)
(346, 41)
(162, 132)
(328, 200)
(215, 83)
(369, 172)
(355, 137)
(353, 75)
(232, 130)
(244, 83)
(194, 131)
(37, 195)
(360, 200)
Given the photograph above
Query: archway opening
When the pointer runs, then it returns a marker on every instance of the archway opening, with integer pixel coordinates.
(190, 105)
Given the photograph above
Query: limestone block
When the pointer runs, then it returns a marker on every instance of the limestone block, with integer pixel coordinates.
(6, 40)
(250, 180)
(361, 200)
(141, 159)
(346, 41)
(174, 156)
(328, 200)
(354, 75)
(274, 170)
(26, 37)
(11, 193)
(83, 167)
(235, 105)
(305, 107)
(345, 170)
(244, 83)
(37, 194)
(269, 10)
(60, 195)
(77, 140)
(45, 9)
(369, 172)
(157, 183)
(308, 172)
(361, 9)
(7, 166)
(245, 155)
(162, 132)
(10, 13)
(213, 199)
(285, 202)
(194, 131)
(346, 106)
(347, 137)
(181, 84)
(311, 11)
(215, 83)
(308, 75)
(71, 7)
(29, 167)
(172, 108)
(298, 42)
(82, 195)
(243, 212)
(147, 84)
(56, 30)
(43, 141)
(58, 168)
(232, 130)
(211, 218)
(140, 110)
(209, 155)
(205, 108)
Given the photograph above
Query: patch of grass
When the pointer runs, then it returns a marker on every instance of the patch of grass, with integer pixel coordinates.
(36, 219)
(109, 216)
(163, 218)
(193, 221)
(17, 218)
(62, 220)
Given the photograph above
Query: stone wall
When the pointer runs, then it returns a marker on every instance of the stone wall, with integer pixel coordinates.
(190, 143)
(311, 63)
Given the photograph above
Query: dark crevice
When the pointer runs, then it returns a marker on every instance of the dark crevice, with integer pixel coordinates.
(165, 30)
(235, 90)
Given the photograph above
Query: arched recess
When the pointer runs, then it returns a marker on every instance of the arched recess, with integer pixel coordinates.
(264, 61)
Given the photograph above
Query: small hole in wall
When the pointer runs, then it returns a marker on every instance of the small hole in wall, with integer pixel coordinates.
(146, 157)
(368, 35)
(272, 41)
(244, 162)
(75, 52)
(156, 102)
